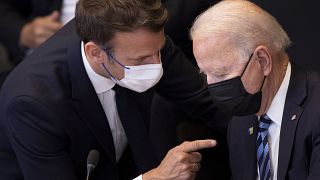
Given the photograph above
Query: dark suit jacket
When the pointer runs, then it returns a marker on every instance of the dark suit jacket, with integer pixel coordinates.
(51, 116)
(14, 14)
(299, 149)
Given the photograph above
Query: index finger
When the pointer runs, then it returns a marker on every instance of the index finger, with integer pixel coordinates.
(196, 145)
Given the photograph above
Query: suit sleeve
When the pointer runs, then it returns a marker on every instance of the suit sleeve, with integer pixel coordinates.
(181, 16)
(183, 85)
(38, 141)
(11, 24)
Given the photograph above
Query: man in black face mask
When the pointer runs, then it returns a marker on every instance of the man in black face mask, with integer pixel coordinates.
(275, 132)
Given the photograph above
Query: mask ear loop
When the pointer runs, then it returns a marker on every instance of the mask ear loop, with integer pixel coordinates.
(112, 77)
(245, 68)
(109, 54)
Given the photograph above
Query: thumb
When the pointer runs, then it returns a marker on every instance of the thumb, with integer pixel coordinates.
(55, 15)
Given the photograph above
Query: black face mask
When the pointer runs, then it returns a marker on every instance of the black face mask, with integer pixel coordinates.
(231, 97)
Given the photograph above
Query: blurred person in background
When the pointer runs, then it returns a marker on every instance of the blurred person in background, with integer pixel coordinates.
(25, 25)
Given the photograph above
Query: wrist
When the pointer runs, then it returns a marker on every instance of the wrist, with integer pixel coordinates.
(151, 175)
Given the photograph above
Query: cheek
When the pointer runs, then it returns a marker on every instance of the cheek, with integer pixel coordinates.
(115, 69)
(118, 73)
(155, 59)
(253, 83)
(209, 78)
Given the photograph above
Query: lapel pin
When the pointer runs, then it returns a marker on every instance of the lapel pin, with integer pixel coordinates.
(293, 117)
(250, 131)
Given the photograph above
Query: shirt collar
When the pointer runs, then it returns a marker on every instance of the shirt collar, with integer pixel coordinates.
(275, 111)
(101, 84)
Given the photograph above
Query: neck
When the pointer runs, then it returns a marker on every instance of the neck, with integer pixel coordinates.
(273, 82)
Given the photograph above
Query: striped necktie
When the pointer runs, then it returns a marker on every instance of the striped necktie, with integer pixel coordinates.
(263, 157)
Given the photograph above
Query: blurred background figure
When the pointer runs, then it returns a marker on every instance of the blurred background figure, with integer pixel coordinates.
(24, 25)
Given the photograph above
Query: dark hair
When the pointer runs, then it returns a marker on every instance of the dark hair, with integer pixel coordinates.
(99, 20)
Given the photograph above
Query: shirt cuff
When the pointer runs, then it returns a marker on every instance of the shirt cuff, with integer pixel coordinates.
(138, 178)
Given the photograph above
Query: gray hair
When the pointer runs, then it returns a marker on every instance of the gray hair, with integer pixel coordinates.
(245, 23)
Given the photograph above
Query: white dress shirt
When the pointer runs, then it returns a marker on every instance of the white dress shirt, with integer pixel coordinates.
(68, 10)
(103, 87)
(275, 113)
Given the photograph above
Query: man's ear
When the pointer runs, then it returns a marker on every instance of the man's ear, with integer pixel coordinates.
(94, 53)
(264, 58)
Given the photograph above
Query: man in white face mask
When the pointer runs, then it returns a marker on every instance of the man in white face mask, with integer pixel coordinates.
(137, 78)
(90, 87)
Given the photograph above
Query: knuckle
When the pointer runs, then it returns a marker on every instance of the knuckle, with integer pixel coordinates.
(196, 145)
(185, 143)
(171, 151)
(197, 156)
(198, 166)
(189, 176)
(184, 167)
(175, 149)
(180, 157)
(195, 167)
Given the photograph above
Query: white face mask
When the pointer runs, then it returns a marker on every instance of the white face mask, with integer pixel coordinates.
(138, 78)
(141, 78)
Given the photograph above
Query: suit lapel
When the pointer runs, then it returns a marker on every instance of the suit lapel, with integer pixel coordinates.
(243, 147)
(135, 128)
(86, 102)
(252, 154)
(291, 115)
